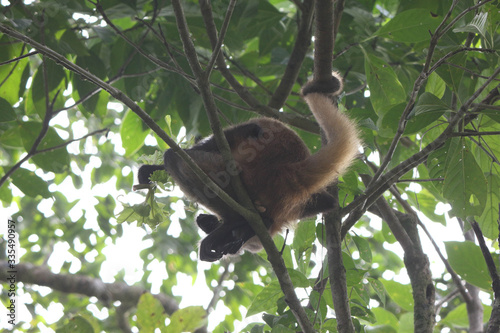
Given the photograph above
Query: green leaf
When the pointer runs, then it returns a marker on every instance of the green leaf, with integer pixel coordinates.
(410, 26)
(11, 138)
(321, 233)
(363, 246)
(451, 71)
(476, 26)
(458, 317)
(30, 184)
(6, 111)
(105, 209)
(266, 300)
(379, 289)
(303, 243)
(385, 317)
(76, 324)
(6, 195)
(426, 203)
(406, 322)
(354, 277)
(11, 74)
(299, 280)
(187, 320)
(493, 114)
(438, 162)
(71, 43)
(488, 219)
(467, 260)
(385, 88)
(150, 313)
(55, 85)
(464, 183)
(389, 120)
(399, 293)
(82, 88)
(56, 160)
(132, 132)
(304, 236)
(428, 109)
(435, 85)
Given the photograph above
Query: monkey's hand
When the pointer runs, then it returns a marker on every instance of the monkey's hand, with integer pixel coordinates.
(260, 208)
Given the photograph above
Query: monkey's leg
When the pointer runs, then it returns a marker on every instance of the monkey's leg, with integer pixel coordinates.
(228, 238)
(321, 202)
(207, 222)
(222, 241)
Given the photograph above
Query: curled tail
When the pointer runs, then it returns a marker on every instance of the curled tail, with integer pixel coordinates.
(333, 159)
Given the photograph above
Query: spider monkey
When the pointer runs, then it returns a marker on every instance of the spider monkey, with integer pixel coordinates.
(281, 176)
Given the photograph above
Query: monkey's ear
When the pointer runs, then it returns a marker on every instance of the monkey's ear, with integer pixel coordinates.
(332, 87)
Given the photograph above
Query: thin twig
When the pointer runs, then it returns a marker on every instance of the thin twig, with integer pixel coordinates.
(18, 58)
(413, 180)
(490, 262)
(461, 134)
(220, 40)
(299, 52)
(36, 152)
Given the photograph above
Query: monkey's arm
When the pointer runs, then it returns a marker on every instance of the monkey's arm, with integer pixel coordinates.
(321, 202)
(146, 171)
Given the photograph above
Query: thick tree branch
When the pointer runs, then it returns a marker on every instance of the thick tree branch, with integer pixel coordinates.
(84, 285)
(323, 39)
(336, 269)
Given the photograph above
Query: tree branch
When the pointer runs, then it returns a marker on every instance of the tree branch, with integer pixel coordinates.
(84, 285)
(296, 59)
(323, 41)
(488, 258)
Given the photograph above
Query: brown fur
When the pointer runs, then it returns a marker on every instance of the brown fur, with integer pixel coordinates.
(281, 176)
